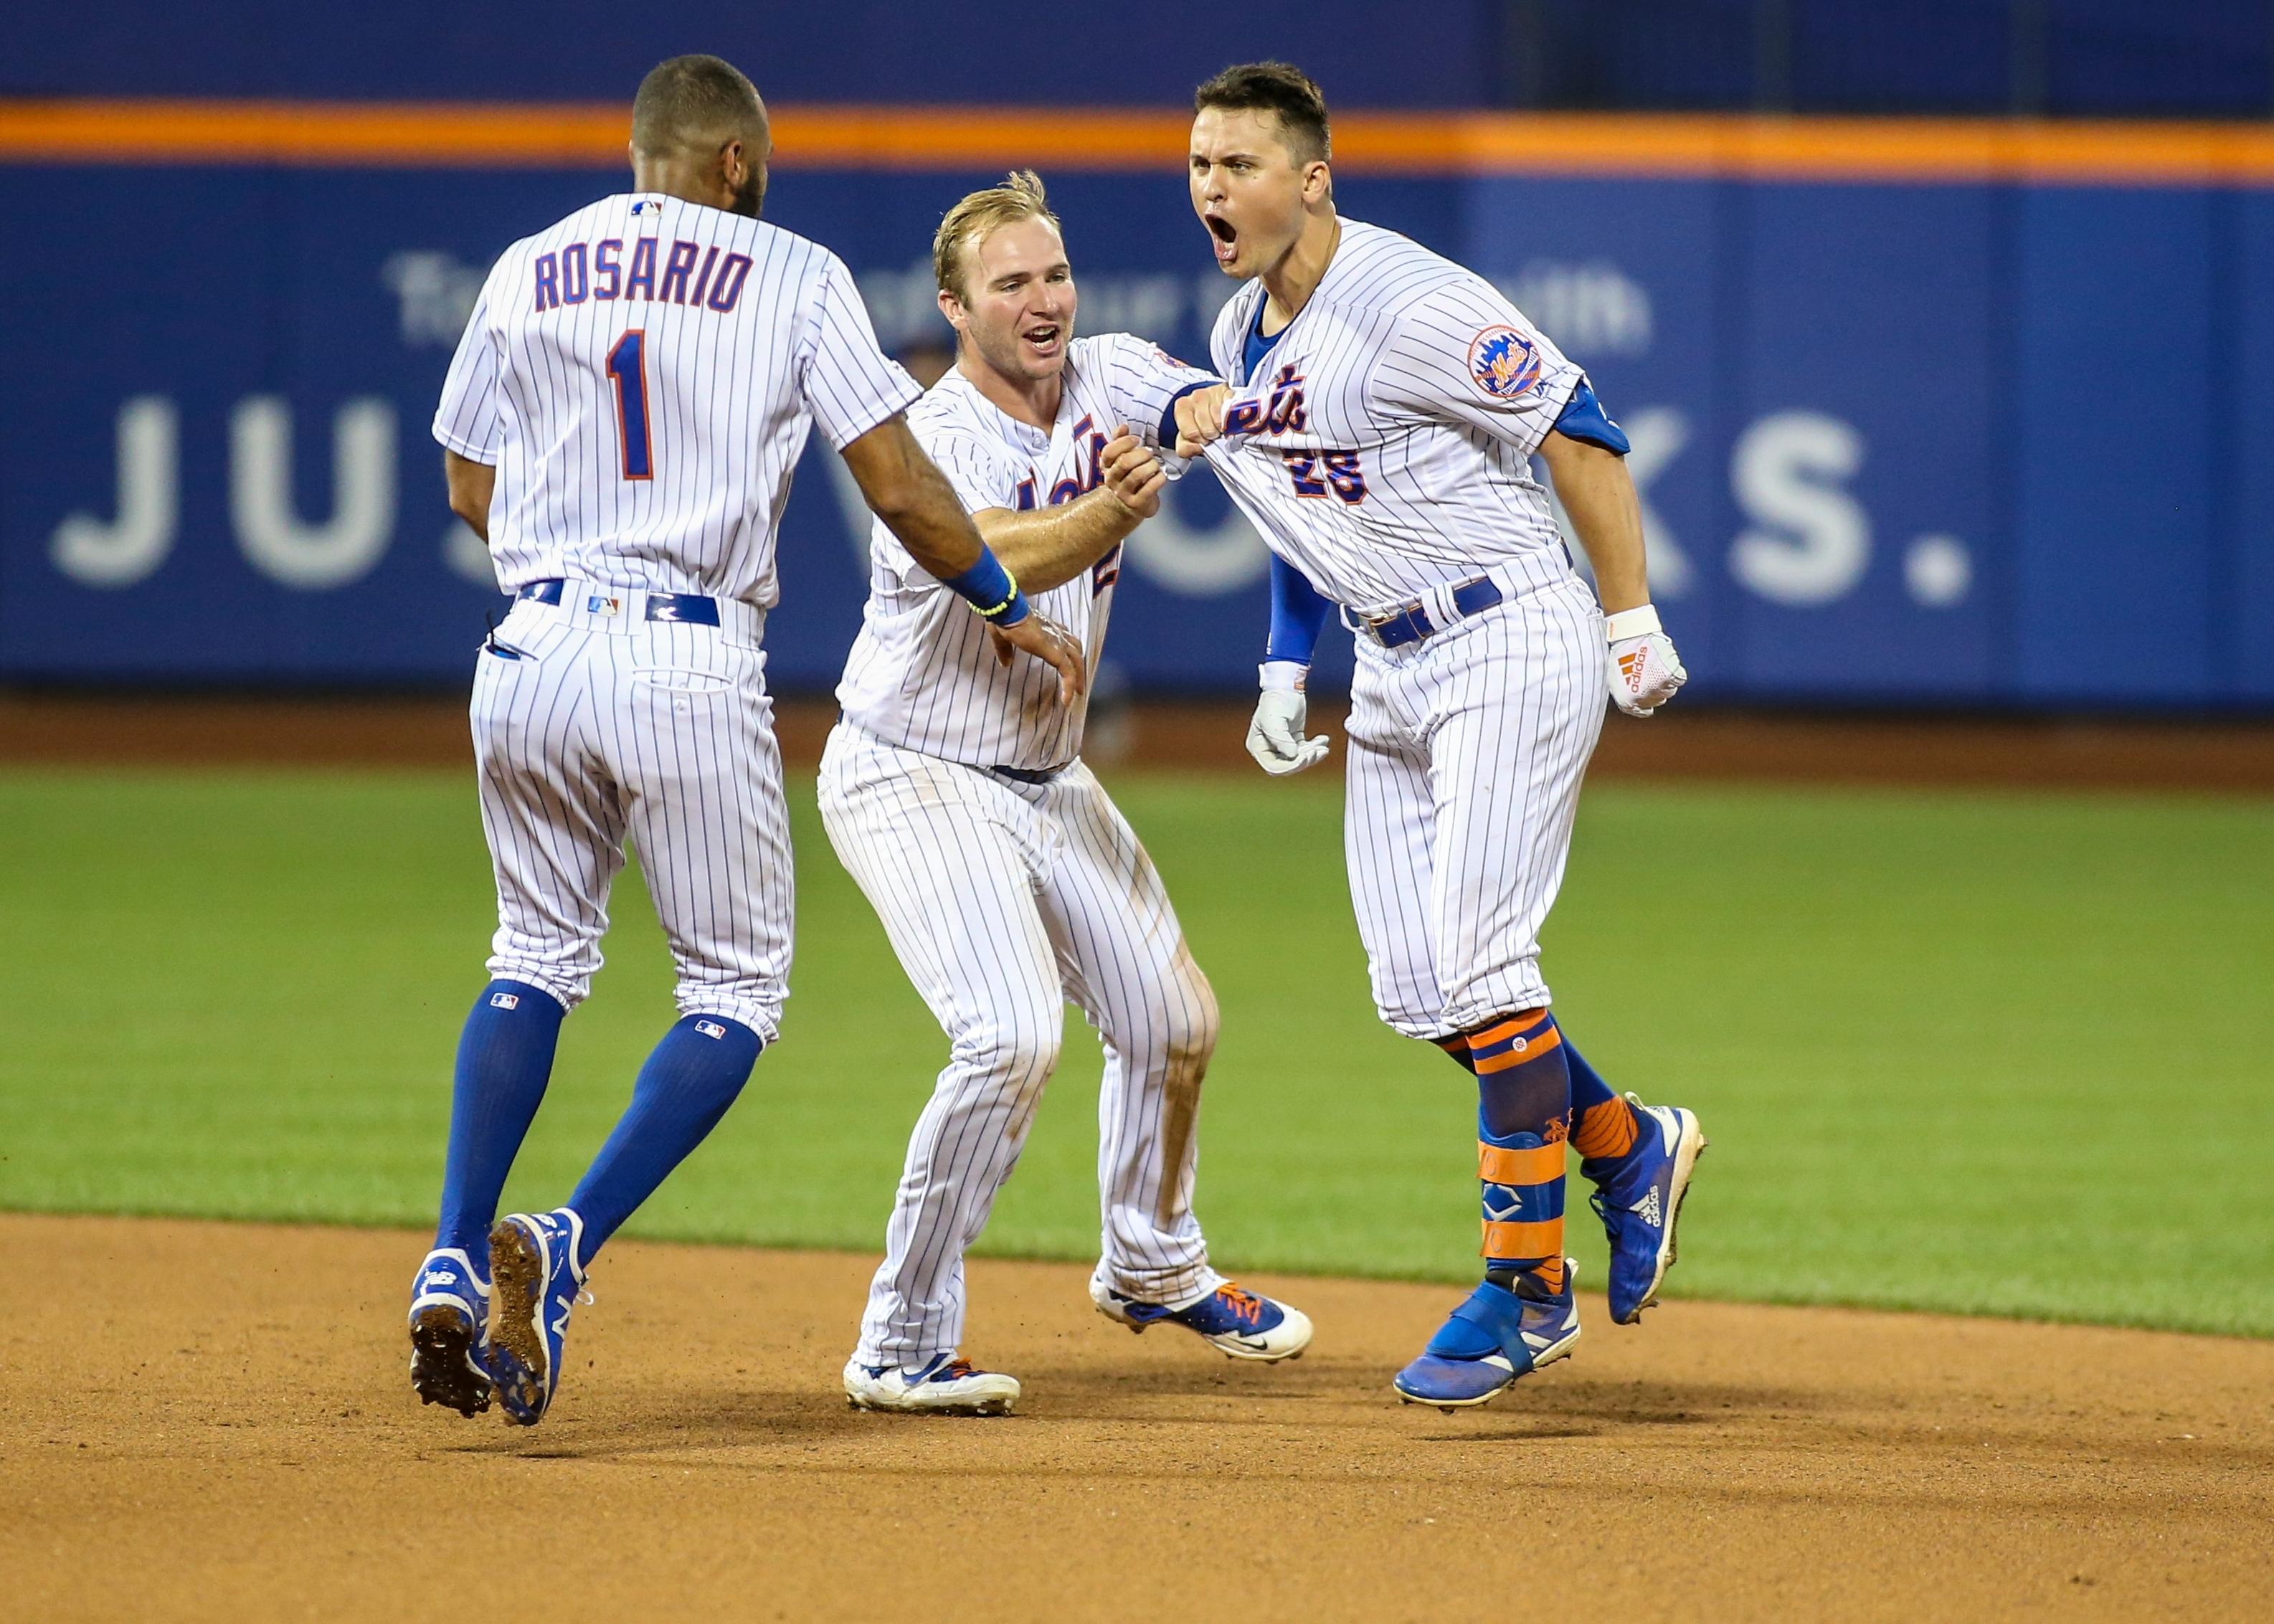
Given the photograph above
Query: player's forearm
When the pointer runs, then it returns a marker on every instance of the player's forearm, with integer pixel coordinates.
(470, 485)
(1049, 546)
(905, 489)
(931, 524)
(1599, 498)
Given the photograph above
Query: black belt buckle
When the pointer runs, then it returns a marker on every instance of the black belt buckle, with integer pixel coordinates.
(1038, 776)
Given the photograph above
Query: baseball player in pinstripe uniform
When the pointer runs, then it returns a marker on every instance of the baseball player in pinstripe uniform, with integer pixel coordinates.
(954, 792)
(619, 422)
(1379, 430)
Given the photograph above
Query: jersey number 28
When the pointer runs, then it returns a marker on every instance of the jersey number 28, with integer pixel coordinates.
(1317, 472)
(627, 365)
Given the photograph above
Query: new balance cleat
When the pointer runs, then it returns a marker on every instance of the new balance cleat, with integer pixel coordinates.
(1238, 1323)
(1497, 1336)
(449, 1315)
(947, 1386)
(535, 1280)
(1639, 1201)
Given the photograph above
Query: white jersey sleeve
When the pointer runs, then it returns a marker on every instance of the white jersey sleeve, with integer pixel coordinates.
(982, 477)
(851, 386)
(1463, 354)
(467, 420)
(1143, 380)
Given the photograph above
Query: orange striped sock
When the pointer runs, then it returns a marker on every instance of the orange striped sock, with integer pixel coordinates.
(1607, 1129)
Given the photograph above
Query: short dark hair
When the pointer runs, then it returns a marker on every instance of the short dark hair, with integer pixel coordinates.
(1275, 87)
(690, 99)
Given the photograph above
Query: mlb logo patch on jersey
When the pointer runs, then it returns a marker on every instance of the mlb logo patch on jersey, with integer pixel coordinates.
(1503, 361)
(598, 605)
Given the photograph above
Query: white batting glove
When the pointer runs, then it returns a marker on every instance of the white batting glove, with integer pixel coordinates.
(1643, 670)
(1275, 737)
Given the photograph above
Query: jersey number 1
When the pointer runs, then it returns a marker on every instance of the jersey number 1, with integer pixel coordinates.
(627, 365)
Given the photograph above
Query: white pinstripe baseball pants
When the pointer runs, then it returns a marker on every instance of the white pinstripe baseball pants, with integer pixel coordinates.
(596, 727)
(1004, 900)
(1466, 751)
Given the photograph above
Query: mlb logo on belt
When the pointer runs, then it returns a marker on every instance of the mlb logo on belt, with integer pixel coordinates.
(598, 605)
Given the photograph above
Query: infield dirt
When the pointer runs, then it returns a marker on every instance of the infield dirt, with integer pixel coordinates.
(207, 1421)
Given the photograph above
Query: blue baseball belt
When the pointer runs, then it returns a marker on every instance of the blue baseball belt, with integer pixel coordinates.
(687, 608)
(1411, 622)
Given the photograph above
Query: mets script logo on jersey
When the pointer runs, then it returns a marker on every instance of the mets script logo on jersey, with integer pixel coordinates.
(1503, 361)
(1281, 412)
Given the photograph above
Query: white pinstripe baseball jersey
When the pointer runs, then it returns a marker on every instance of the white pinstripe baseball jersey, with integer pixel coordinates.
(1384, 445)
(643, 375)
(922, 673)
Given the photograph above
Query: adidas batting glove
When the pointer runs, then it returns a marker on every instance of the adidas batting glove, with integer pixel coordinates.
(1644, 672)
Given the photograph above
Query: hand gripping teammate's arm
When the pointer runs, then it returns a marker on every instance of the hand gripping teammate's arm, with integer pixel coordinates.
(1465, 354)
(1049, 546)
(857, 396)
(905, 489)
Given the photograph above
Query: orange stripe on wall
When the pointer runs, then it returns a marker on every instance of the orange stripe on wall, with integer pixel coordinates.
(581, 134)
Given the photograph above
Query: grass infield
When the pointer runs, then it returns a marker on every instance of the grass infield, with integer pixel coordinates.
(1970, 1053)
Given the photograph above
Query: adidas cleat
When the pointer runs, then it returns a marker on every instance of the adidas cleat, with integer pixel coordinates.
(1639, 1201)
(1492, 1339)
(1237, 1323)
(947, 1386)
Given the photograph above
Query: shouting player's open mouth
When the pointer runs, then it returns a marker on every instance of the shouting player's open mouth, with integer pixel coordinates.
(1046, 340)
(1226, 234)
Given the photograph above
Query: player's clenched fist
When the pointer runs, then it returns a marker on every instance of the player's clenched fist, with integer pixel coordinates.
(1050, 642)
(1134, 474)
(1644, 671)
(1199, 418)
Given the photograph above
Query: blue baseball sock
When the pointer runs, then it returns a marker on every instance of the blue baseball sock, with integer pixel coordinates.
(504, 1058)
(682, 1091)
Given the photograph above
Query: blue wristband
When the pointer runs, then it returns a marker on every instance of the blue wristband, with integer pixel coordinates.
(987, 587)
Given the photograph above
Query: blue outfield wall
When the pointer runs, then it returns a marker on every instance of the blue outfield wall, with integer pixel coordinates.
(1957, 444)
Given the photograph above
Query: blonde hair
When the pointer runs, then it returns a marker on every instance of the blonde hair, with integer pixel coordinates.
(1020, 197)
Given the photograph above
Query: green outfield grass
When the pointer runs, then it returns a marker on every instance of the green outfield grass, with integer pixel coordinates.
(1990, 1053)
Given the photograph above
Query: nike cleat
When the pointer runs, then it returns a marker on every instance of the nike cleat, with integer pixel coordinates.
(1639, 1201)
(1237, 1323)
(449, 1316)
(1497, 1336)
(535, 1280)
(947, 1386)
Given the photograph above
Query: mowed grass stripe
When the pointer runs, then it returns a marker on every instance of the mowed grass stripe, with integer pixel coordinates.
(1980, 1053)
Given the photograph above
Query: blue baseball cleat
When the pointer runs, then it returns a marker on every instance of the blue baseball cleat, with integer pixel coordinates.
(1237, 1322)
(1495, 1336)
(449, 1316)
(1639, 1201)
(534, 1280)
